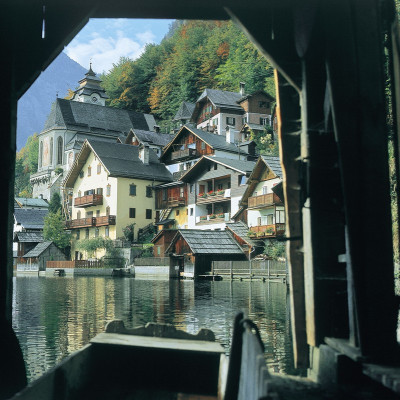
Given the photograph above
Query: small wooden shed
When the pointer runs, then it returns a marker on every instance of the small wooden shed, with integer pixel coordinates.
(198, 248)
(43, 252)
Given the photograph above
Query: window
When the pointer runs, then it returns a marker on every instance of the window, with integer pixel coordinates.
(262, 104)
(89, 171)
(132, 213)
(215, 122)
(242, 180)
(181, 167)
(188, 165)
(51, 150)
(264, 121)
(164, 194)
(191, 188)
(177, 212)
(60, 150)
(230, 121)
(220, 186)
(108, 190)
(132, 189)
(98, 168)
(78, 234)
(78, 215)
(280, 217)
(148, 213)
(40, 154)
(107, 232)
(79, 193)
(87, 233)
(96, 232)
(203, 146)
(158, 250)
(191, 211)
(149, 191)
(97, 213)
(265, 190)
(107, 211)
(244, 120)
(181, 191)
(99, 191)
(81, 174)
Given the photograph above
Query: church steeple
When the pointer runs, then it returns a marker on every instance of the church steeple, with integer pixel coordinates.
(89, 90)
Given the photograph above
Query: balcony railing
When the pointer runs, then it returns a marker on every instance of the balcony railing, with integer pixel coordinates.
(213, 218)
(267, 231)
(106, 220)
(90, 222)
(183, 154)
(212, 197)
(176, 202)
(89, 200)
(264, 200)
(80, 223)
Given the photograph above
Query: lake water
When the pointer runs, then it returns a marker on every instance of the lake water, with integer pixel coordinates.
(54, 316)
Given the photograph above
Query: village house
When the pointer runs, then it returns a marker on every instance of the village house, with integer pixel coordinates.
(112, 188)
(190, 144)
(183, 116)
(154, 139)
(264, 210)
(70, 123)
(37, 258)
(215, 188)
(216, 109)
(24, 202)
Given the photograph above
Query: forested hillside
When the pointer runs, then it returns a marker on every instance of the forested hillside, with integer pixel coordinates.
(194, 55)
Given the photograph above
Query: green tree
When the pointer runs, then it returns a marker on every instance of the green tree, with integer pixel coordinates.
(53, 230)
(90, 246)
(55, 203)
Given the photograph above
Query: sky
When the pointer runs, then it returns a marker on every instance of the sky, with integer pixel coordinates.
(105, 41)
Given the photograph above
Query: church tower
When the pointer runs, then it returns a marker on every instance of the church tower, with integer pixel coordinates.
(90, 90)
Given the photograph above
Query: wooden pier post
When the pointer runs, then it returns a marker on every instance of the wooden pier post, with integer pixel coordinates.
(231, 266)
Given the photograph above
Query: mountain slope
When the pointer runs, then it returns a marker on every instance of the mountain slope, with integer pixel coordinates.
(34, 106)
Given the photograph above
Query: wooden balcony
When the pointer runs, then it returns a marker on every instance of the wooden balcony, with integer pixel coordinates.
(213, 218)
(80, 223)
(89, 200)
(176, 202)
(106, 220)
(267, 231)
(183, 154)
(213, 198)
(264, 200)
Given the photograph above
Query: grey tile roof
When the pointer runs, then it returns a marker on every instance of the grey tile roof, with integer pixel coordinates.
(78, 139)
(156, 138)
(274, 163)
(242, 230)
(217, 142)
(210, 242)
(242, 165)
(38, 249)
(122, 160)
(28, 237)
(93, 118)
(185, 111)
(32, 203)
(30, 218)
(223, 99)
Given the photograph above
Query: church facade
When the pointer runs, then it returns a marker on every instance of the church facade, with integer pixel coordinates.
(70, 123)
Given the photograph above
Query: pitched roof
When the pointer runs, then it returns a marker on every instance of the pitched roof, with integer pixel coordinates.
(185, 111)
(242, 230)
(222, 98)
(31, 203)
(208, 242)
(217, 142)
(28, 237)
(86, 117)
(274, 163)
(247, 96)
(30, 218)
(156, 138)
(242, 166)
(120, 160)
(38, 249)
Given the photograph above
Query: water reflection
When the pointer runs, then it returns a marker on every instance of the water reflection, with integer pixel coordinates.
(53, 317)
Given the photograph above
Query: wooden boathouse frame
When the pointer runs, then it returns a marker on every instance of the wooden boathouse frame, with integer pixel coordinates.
(331, 105)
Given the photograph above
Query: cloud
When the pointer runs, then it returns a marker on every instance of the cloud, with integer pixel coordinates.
(146, 37)
(104, 51)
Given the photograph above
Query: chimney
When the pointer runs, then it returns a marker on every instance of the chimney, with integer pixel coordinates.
(144, 153)
(242, 88)
(231, 134)
(156, 128)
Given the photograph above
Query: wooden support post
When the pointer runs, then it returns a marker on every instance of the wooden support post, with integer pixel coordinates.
(231, 266)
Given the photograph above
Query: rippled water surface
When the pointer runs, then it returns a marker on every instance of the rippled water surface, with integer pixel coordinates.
(53, 317)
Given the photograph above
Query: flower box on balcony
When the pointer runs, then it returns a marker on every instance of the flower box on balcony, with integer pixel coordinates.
(221, 215)
(203, 195)
(220, 192)
(212, 216)
(211, 193)
(260, 234)
(203, 218)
